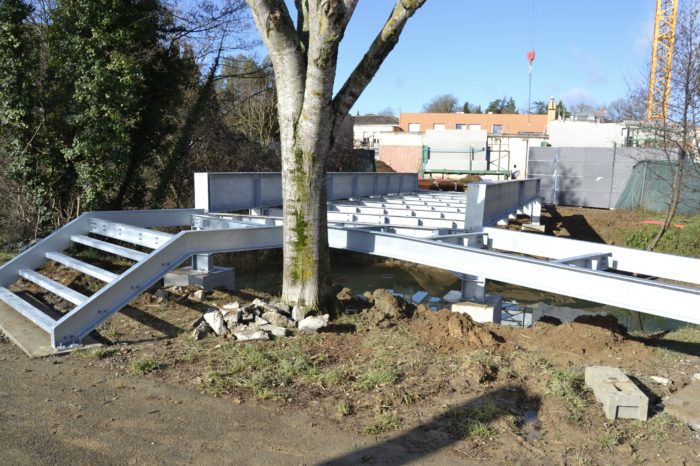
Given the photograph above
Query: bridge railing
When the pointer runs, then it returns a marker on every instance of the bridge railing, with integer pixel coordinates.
(225, 192)
(489, 203)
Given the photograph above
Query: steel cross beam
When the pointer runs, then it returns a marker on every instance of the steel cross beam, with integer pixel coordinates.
(665, 300)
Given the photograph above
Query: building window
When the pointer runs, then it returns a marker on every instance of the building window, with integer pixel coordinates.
(460, 126)
(475, 127)
(365, 139)
(414, 127)
(439, 126)
(497, 129)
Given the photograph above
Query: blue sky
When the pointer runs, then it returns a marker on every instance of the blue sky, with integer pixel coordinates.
(587, 51)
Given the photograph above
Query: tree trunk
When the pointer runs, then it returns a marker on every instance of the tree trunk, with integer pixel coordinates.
(676, 186)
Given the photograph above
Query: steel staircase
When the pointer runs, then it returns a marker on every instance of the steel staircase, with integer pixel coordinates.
(100, 231)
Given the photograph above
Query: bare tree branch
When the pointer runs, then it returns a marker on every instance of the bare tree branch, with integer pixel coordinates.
(383, 44)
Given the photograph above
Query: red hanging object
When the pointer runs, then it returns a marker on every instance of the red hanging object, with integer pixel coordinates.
(531, 56)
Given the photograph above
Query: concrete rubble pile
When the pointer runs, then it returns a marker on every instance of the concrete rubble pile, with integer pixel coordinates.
(256, 321)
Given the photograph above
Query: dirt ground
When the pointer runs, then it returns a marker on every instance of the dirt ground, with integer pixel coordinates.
(389, 384)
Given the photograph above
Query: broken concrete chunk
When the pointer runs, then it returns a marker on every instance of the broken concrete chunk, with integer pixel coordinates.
(260, 321)
(216, 322)
(198, 295)
(201, 330)
(659, 380)
(246, 333)
(283, 308)
(274, 330)
(162, 294)
(257, 302)
(230, 306)
(313, 324)
(278, 319)
(233, 318)
(298, 313)
(696, 376)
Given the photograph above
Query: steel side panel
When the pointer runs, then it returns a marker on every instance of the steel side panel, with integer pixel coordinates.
(625, 292)
(82, 319)
(684, 269)
(128, 233)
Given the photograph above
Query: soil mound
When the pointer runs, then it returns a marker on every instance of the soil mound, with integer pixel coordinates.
(386, 309)
(578, 343)
(450, 330)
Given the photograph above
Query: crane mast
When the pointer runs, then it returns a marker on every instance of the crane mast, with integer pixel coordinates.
(662, 59)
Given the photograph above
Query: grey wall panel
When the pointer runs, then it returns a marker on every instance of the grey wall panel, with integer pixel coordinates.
(585, 176)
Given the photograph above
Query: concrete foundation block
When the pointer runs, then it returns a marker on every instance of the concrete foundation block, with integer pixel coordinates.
(489, 311)
(619, 395)
(218, 277)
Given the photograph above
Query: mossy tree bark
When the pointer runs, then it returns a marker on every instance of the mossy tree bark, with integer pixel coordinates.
(304, 59)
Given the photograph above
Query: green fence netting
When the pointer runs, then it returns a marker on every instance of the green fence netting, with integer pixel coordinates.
(649, 187)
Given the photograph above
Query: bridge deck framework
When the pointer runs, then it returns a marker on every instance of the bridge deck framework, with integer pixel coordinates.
(424, 229)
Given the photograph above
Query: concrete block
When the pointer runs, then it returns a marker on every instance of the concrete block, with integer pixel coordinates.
(619, 395)
(219, 277)
(685, 405)
(490, 311)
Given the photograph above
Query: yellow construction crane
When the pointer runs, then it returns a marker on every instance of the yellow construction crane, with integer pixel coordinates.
(662, 59)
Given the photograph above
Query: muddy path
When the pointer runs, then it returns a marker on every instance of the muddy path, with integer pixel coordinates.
(63, 411)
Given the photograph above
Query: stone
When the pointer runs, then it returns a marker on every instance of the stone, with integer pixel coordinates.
(247, 316)
(198, 295)
(312, 324)
(162, 294)
(659, 380)
(696, 376)
(246, 333)
(201, 331)
(233, 318)
(620, 397)
(196, 322)
(216, 322)
(283, 308)
(279, 320)
(260, 321)
(298, 313)
(274, 330)
(231, 306)
(257, 302)
(685, 405)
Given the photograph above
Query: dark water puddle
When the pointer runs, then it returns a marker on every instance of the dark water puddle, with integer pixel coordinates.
(429, 286)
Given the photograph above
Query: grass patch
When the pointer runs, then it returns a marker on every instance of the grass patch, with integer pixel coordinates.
(612, 437)
(473, 421)
(564, 384)
(381, 423)
(144, 365)
(343, 408)
(265, 369)
(5, 256)
(679, 241)
(94, 354)
(378, 376)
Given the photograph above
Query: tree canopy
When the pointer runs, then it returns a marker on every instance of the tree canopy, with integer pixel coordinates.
(445, 103)
(503, 105)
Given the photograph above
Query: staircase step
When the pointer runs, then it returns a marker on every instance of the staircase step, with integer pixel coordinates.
(80, 266)
(53, 286)
(128, 233)
(27, 310)
(109, 247)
